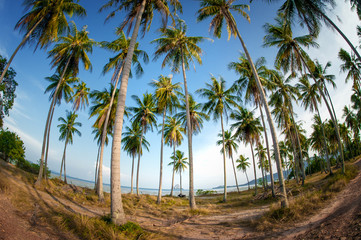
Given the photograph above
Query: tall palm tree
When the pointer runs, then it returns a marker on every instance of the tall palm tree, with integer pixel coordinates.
(261, 153)
(219, 102)
(119, 46)
(66, 54)
(312, 14)
(167, 100)
(144, 116)
(67, 128)
(138, 12)
(179, 164)
(220, 11)
(248, 129)
(247, 85)
(230, 146)
(310, 98)
(131, 144)
(243, 164)
(292, 57)
(80, 97)
(352, 66)
(180, 51)
(44, 22)
(65, 91)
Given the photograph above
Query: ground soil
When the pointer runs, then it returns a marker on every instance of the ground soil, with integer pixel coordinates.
(339, 220)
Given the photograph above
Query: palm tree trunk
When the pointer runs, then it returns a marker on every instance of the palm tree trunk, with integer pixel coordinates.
(247, 180)
(63, 161)
(329, 110)
(159, 199)
(96, 170)
(47, 142)
(295, 157)
(139, 154)
(180, 181)
(254, 168)
(131, 185)
(41, 169)
(117, 211)
(192, 201)
(235, 174)
(268, 152)
(171, 191)
(26, 37)
(284, 201)
(224, 163)
(104, 136)
(324, 141)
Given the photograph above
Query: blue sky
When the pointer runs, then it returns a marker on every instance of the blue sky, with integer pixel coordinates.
(29, 114)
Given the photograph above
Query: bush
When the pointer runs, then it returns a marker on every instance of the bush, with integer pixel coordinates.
(205, 192)
(30, 167)
(11, 146)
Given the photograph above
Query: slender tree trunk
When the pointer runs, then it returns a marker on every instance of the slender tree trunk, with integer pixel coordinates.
(62, 165)
(104, 136)
(96, 170)
(324, 142)
(131, 186)
(26, 37)
(180, 181)
(117, 211)
(247, 180)
(284, 200)
(235, 174)
(159, 199)
(192, 201)
(139, 154)
(328, 108)
(224, 164)
(268, 152)
(41, 170)
(47, 142)
(171, 191)
(254, 168)
(262, 170)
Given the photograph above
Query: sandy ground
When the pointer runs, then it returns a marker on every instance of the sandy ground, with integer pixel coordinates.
(339, 220)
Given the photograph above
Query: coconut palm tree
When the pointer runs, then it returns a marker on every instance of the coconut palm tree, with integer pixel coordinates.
(247, 84)
(139, 12)
(65, 91)
(119, 46)
(261, 153)
(66, 55)
(180, 51)
(173, 130)
(131, 144)
(44, 22)
(220, 10)
(67, 128)
(310, 98)
(243, 164)
(219, 102)
(352, 66)
(292, 57)
(230, 146)
(179, 165)
(167, 100)
(144, 116)
(248, 129)
(80, 97)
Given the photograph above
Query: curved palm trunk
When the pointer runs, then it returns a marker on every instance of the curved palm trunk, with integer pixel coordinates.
(139, 154)
(96, 170)
(131, 185)
(235, 174)
(117, 211)
(159, 199)
(329, 110)
(295, 157)
(268, 152)
(324, 141)
(224, 163)
(104, 136)
(284, 201)
(26, 37)
(41, 169)
(180, 181)
(254, 168)
(171, 191)
(192, 201)
(247, 180)
(62, 165)
(47, 142)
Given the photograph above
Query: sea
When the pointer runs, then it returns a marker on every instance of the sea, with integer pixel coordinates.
(151, 191)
